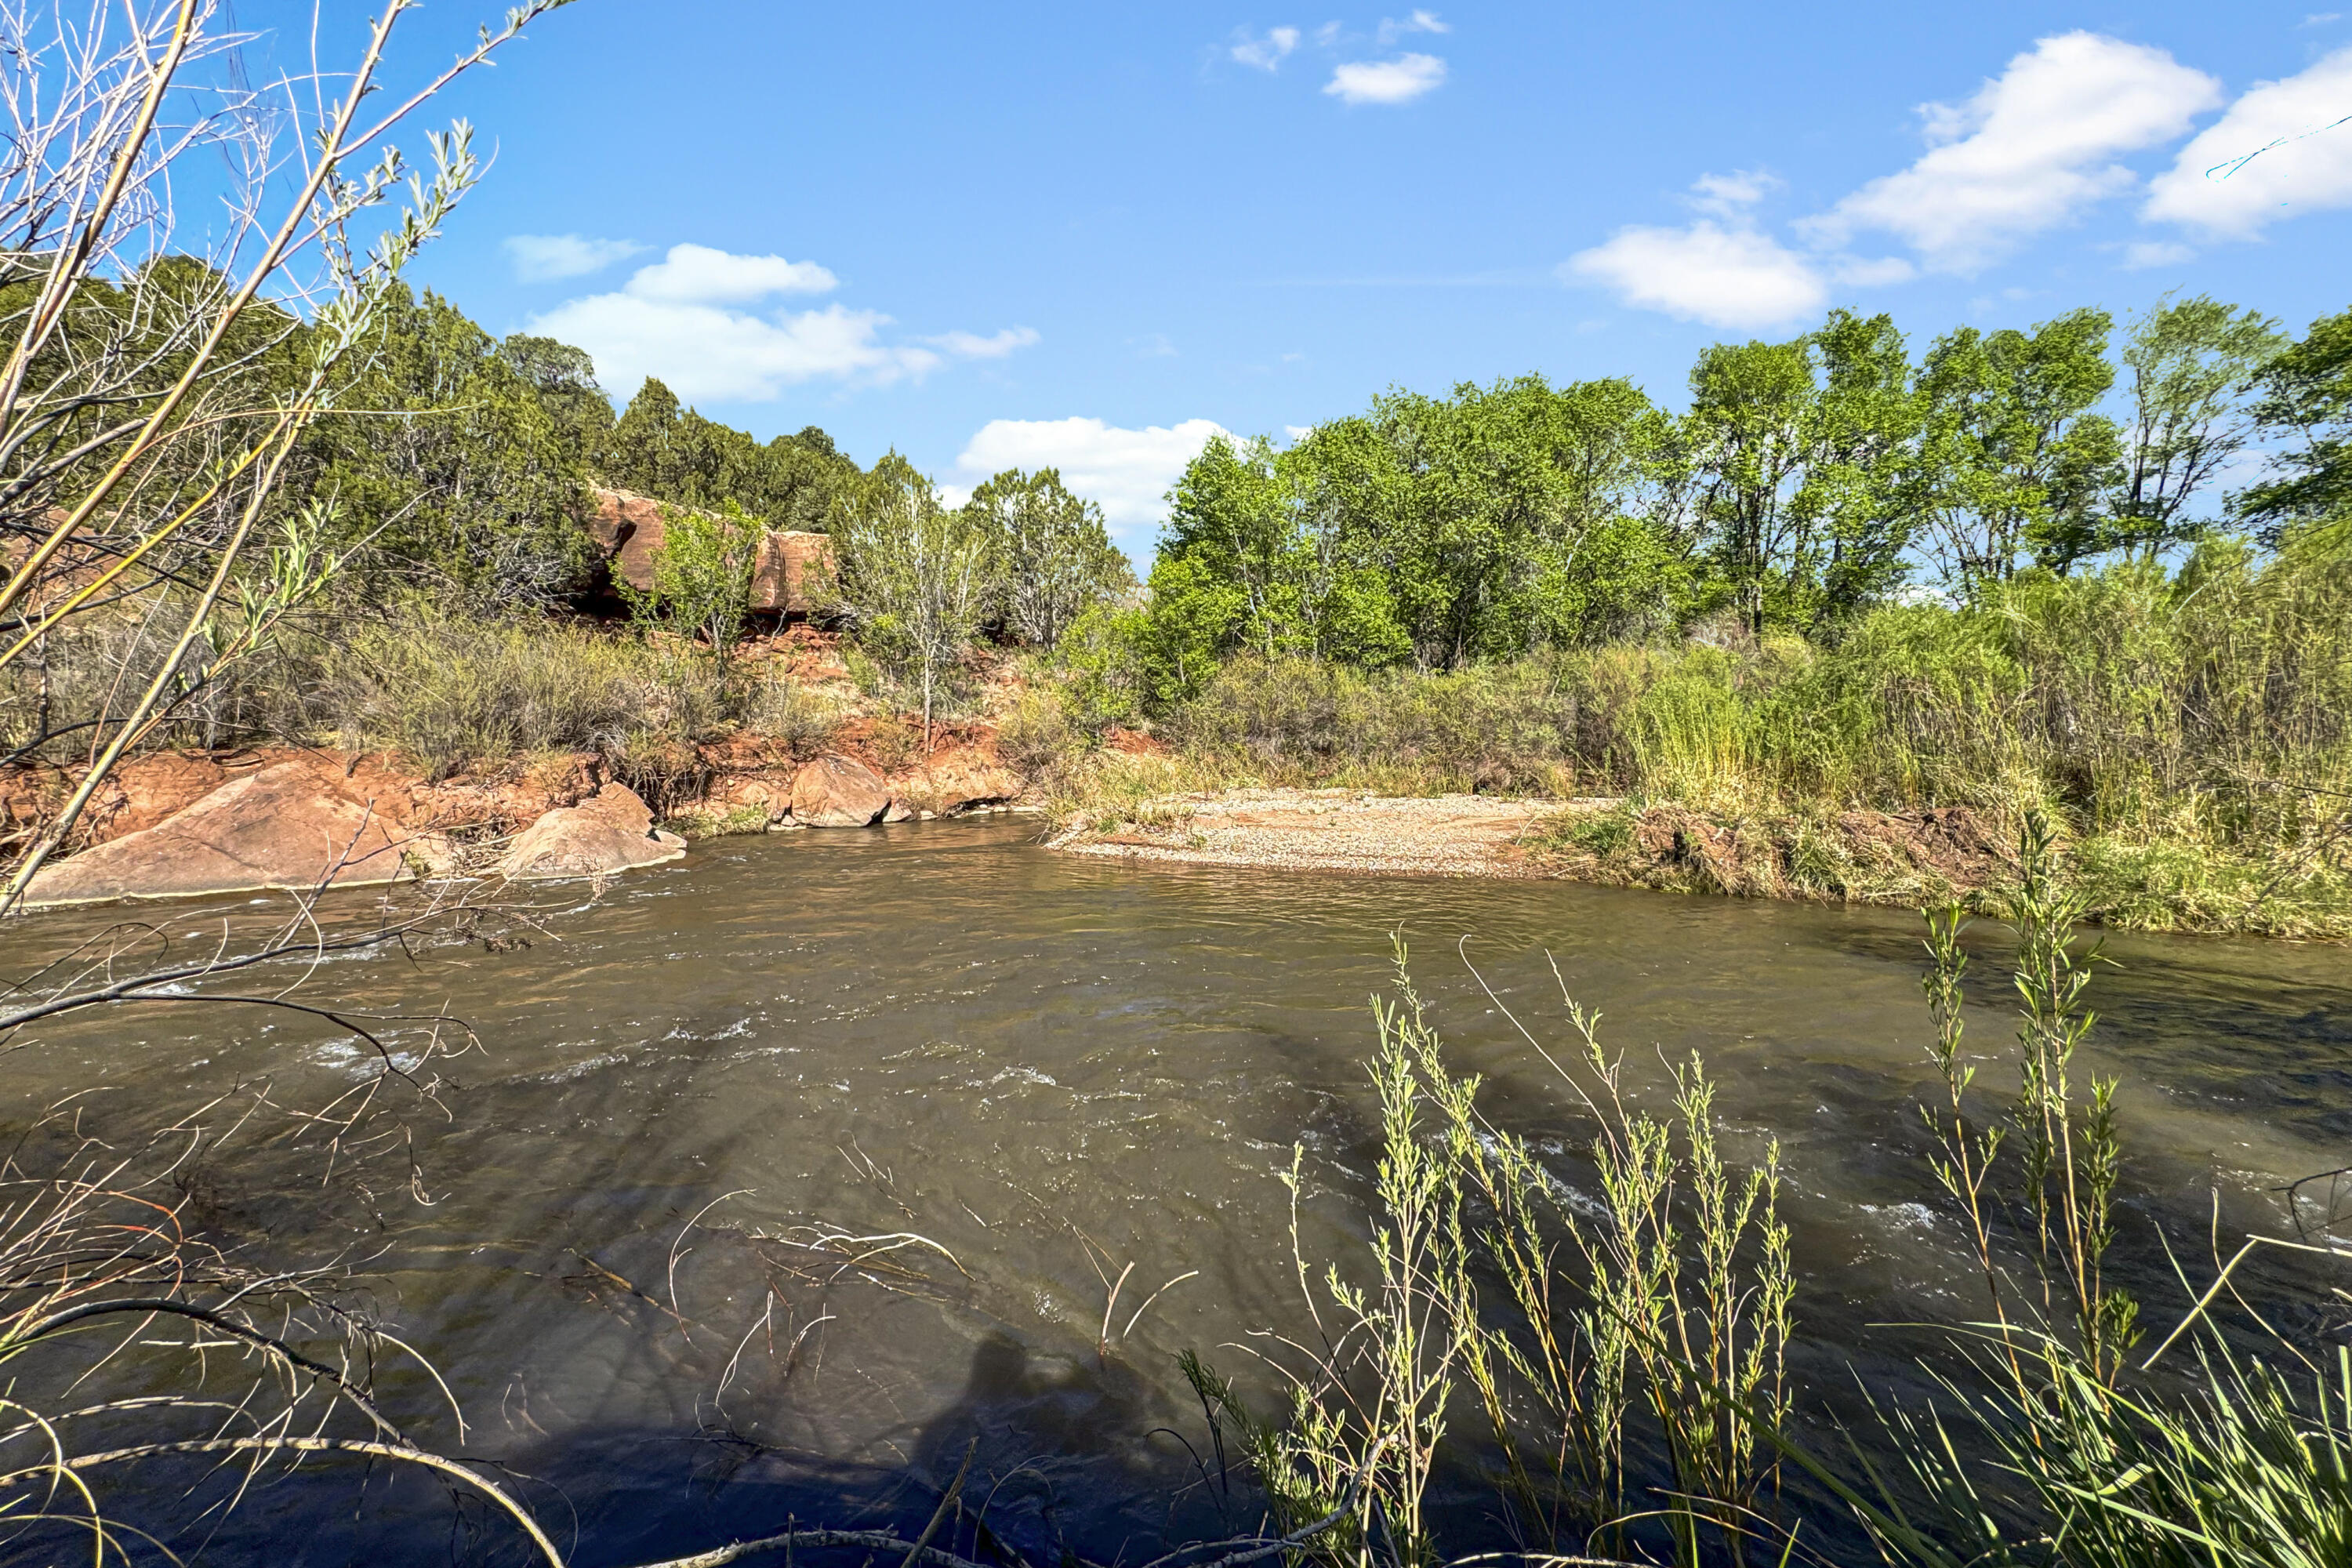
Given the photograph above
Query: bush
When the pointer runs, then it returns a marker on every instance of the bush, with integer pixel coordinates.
(785, 710)
(451, 695)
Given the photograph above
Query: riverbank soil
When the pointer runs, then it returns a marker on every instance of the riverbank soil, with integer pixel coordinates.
(1863, 856)
(1329, 830)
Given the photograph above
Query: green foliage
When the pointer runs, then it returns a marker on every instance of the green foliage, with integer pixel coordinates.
(2020, 463)
(1050, 559)
(1432, 530)
(701, 577)
(450, 477)
(659, 448)
(565, 380)
(452, 695)
(2191, 363)
(910, 576)
(1625, 1345)
(2306, 397)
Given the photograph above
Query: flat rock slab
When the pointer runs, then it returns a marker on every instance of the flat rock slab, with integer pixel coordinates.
(1454, 835)
(610, 832)
(292, 826)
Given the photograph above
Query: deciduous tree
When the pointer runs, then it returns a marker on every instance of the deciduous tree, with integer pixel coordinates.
(2021, 464)
(2307, 398)
(910, 573)
(2189, 368)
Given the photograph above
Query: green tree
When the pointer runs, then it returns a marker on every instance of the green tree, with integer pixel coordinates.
(449, 476)
(2190, 364)
(910, 575)
(658, 448)
(565, 380)
(701, 577)
(1431, 529)
(2020, 463)
(1865, 488)
(1050, 557)
(1751, 423)
(2307, 398)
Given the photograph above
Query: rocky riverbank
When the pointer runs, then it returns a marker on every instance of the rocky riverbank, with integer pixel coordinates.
(183, 823)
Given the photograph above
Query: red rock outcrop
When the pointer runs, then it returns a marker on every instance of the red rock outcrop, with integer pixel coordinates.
(609, 832)
(788, 577)
(953, 779)
(628, 528)
(290, 825)
(839, 792)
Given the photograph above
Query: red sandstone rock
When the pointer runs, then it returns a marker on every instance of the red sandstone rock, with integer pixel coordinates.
(789, 572)
(611, 831)
(628, 529)
(836, 791)
(956, 780)
(291, 825)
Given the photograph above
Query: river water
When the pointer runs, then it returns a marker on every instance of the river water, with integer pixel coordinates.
(1058, 1070)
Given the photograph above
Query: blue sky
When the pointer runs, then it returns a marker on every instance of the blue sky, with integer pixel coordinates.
(1091, 233)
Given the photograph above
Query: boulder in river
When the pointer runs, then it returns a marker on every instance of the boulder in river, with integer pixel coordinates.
(292, 825)
(839, 792)
(610, 831)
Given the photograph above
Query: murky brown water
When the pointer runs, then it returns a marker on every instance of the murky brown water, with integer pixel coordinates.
(943, 1029)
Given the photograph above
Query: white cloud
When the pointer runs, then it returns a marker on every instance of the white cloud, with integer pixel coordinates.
(700, 275)
(1265, 53)
(1125, 472)
(2282, 150)
(1871, 272)
(1391, 30)
(997, 346)
(2030, 149)
(1725, 276)
(672, 320)
(1400, 80)
(2155, 253)
(544, 258)
(1726, 195)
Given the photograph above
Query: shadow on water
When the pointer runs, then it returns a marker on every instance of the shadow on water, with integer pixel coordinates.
(1054, 1069)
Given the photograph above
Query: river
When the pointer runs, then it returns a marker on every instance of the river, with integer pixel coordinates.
(1057, 1070)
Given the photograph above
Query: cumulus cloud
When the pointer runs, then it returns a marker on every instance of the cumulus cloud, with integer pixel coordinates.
(1400, 80)
(680, 319)
(1725, 274)
(544, 258)
(1125, 472)
(1266, 53)
(2283, 149)
(2030, 149)
(1390, 29)
(698, 275)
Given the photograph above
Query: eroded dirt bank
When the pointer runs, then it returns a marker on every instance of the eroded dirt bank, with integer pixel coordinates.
(1928, 857)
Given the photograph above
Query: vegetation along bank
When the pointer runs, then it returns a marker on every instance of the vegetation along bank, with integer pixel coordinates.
(1829, 632)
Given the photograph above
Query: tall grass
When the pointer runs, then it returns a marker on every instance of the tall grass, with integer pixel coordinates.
(2218, 701)
(2191, 733)
(450, 694)
(1614, 1364)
